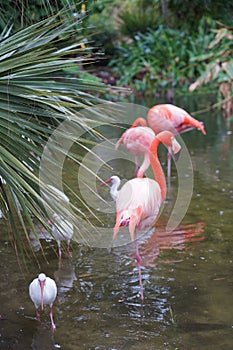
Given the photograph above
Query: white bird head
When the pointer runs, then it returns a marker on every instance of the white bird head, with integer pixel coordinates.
(115, 183)
(113, 180)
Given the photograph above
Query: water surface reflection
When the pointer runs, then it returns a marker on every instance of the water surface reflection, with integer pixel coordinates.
(187, 275)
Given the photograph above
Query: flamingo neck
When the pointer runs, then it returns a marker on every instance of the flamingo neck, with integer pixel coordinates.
(139, 121)
(157, 169)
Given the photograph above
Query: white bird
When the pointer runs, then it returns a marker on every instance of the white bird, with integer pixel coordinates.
(62, 229)
(115, 183)
(43, 291)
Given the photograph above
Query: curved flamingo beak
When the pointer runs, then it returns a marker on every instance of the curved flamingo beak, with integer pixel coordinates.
(42, 293)
(176, 148)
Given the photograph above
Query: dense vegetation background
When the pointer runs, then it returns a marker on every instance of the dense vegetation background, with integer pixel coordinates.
(57, 57)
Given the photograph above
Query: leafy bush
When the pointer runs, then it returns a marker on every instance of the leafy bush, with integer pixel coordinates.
(160, 59)
(217, 67)
(188, 14)
(138, 17)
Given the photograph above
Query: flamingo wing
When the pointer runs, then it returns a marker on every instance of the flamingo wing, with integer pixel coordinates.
(137, 205)
(172, 118)
(137, 140)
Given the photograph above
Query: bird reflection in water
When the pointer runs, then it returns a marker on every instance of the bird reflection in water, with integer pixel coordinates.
(160, 240)
(64, 277)
(43, 338)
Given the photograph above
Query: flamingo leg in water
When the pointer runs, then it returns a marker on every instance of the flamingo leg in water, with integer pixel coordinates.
(169, 156)
(138, 258)
(135, 218)
(51, 318)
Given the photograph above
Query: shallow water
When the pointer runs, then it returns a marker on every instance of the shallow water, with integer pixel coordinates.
(187, 274)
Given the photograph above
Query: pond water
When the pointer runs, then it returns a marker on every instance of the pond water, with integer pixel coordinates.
(187, 274)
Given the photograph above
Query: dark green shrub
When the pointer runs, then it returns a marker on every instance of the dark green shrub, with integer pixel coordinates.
(138, 17)
(160, 59)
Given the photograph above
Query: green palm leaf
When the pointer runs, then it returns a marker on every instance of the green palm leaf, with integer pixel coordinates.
(35, 97)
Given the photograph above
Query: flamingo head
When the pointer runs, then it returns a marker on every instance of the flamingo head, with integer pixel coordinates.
(125, 219)
(42, 280)
(168, 139)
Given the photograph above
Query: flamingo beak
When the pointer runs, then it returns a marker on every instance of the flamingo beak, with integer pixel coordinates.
(176, 148)
(202, 129)
(42, 293)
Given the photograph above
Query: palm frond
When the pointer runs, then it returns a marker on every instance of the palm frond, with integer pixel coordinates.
(36, 96)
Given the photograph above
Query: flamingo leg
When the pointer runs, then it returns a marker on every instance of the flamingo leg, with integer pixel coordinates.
(169, 156)
(51, 318)
(132, 226)
(138, 258)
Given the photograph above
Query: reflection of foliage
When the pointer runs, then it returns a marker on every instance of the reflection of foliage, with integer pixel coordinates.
(218, 67)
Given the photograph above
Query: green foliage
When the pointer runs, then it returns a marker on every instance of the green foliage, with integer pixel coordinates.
(217, 63)
(217, 68)
(101, 25)
(102, 33)
(160, 59)
(187, 14)
(23, 13)
(36, 95)
(138, 17)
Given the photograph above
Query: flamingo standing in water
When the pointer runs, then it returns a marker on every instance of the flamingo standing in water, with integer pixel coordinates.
(169, 117)
(137, 141)
(42, 291)
(139, 200)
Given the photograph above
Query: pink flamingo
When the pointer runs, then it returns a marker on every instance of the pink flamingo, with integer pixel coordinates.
(137, 141)
(169, 117)
(139, 200)
(43, 290)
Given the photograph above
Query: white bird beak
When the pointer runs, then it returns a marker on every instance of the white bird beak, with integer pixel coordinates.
(42, 293)
(106, 182)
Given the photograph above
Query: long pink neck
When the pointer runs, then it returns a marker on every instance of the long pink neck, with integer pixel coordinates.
(139, 121)
(157, 169)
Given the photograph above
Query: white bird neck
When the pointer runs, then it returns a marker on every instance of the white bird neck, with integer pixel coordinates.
(114, 188)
